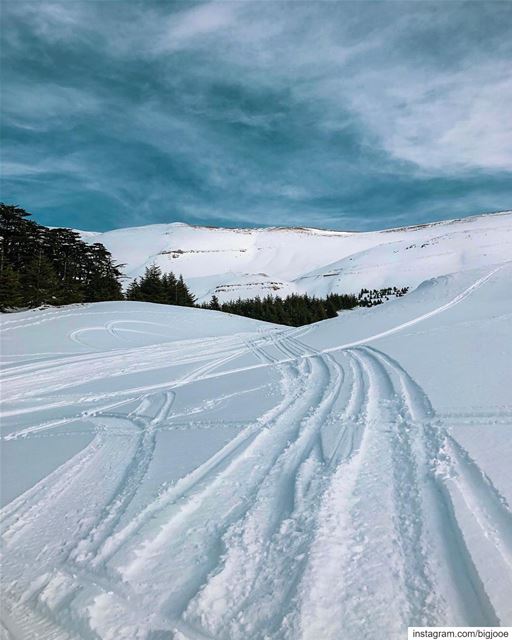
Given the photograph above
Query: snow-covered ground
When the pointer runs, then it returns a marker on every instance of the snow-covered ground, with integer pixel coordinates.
(173, 473)
(232, 263)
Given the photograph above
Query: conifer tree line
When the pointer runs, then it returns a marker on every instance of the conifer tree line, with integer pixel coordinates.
(373, 297)
(43, 266)
(294, 310)
(165, 288)
(39, 265)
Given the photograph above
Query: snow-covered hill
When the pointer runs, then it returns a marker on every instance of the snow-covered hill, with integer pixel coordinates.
(234, 263)
(185, 474)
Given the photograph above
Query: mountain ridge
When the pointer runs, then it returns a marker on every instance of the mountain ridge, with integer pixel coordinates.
(232, 263)
(301, 227)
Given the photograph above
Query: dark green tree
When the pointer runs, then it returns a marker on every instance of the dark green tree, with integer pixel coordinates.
(170, 284)
(76, 271)
(40, 283)
(185, 298)
(214, 303)
(10, 289)
(151, 286)
(133, 290)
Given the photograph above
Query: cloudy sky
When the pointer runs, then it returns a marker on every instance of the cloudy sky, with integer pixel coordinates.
(348, 115)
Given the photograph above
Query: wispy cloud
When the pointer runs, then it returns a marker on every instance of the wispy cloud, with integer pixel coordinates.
(182, 30)
(337, 114)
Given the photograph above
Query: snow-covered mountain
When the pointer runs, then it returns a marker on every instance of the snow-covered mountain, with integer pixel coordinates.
(188, 474)
(232, 263)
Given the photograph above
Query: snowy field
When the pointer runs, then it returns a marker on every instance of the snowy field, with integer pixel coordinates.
(173, 473)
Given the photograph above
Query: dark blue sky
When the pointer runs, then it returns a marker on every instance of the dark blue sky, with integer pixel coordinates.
(349, 115)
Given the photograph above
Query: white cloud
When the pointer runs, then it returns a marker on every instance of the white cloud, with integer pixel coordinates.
(327, 78)
(442, 121)
(183, 28)
(438, 119)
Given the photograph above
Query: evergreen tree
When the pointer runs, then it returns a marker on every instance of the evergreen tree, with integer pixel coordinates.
(185, 298)
(171, 288)
(214, 303)
(133, 290)
(76, 271)
(10, 289)
(40, 282)
(103, 276)
(163, 289)
(150, 287)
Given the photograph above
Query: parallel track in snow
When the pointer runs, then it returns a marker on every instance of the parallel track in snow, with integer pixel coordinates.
(346, 508)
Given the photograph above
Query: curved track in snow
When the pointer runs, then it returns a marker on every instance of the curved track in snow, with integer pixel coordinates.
(343, 509)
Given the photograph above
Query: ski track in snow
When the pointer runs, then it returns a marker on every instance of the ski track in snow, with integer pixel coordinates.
(340, 512)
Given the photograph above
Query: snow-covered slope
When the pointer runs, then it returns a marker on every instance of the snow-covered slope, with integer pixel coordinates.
(246, 262)
(183, 474)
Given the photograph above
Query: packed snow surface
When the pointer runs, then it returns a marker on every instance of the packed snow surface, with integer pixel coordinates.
(173, 473)
(232, 263)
